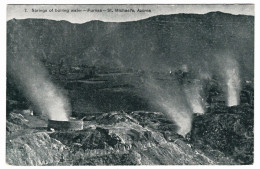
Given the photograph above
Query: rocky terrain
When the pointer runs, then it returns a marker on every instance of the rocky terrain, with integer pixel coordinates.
(135, 138)
(230, 131)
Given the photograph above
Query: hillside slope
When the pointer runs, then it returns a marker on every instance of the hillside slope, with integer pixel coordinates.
(158, 43)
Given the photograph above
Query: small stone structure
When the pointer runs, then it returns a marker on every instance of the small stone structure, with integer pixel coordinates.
(72, 124)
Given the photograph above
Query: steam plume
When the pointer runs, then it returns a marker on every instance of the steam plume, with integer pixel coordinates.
(233, 85)
(171, 101)
(194, 98)
(32, 78)
(230, 72)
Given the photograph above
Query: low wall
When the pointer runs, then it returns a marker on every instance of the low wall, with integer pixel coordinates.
(65, 125)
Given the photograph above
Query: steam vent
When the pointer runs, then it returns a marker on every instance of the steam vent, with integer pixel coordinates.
(72, 124)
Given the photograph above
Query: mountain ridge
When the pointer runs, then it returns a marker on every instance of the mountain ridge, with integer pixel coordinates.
(208, 13)
(157, 43)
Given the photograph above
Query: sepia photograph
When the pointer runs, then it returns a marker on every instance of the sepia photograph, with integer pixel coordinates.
(129, 84)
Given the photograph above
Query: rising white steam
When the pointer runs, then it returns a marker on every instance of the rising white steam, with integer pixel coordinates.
(193, 95)
(172, 102)
(48, 99)
(179, 114)
(233, 85)
(32, 78)
(230, 72)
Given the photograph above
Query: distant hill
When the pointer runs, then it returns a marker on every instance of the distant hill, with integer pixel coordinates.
(158, 43)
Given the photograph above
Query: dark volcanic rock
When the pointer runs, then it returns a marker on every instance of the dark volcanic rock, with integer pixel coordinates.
(98, 138)
(230, 132)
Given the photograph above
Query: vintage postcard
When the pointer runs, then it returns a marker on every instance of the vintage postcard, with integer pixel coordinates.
(130, 84)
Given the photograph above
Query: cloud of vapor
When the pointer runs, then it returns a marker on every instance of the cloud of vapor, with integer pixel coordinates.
(194, 98)
(49, 99)
(30, 75)
(172, 102)
(229, 69)
(233, 84)
(32, 78)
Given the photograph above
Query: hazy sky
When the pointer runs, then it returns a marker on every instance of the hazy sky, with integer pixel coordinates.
(60, 12)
